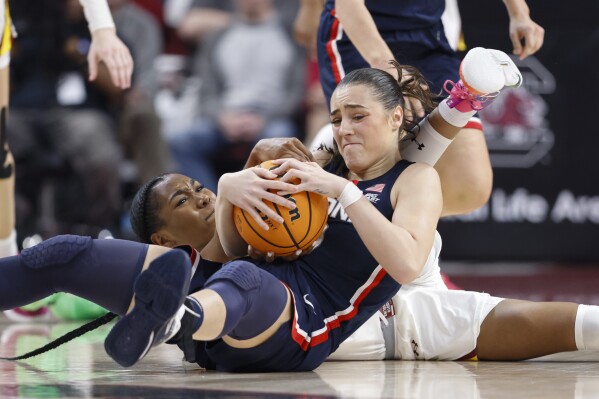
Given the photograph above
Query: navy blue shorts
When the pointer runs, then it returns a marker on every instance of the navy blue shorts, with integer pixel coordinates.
(315, 331)
(426, 49)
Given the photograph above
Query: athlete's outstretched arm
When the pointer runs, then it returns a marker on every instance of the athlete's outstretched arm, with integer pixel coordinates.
(105, 44)
(526, 35)
(305, 25)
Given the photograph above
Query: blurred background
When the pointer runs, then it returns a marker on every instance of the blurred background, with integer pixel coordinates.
(82, 149)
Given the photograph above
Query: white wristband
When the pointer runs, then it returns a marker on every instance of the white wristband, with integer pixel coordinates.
(97, 14)
(350, 194)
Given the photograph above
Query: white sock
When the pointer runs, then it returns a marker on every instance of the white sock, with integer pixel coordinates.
(8, 245)
(427, 147)
(453, 116)
(586, 328)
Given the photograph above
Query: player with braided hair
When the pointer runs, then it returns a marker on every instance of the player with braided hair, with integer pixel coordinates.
(255, 316)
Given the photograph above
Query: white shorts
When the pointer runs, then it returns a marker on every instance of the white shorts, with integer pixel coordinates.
(432, 324)
(426, 321)
(429, 324)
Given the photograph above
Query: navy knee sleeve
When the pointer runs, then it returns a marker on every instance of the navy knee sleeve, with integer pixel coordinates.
(254, 298)
(102, 271)
(55, 251)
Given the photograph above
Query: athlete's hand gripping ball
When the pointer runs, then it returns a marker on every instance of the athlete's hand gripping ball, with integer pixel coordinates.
(294, 221)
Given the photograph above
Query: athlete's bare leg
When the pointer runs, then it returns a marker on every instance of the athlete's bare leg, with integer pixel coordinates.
(7, 183)
(518, 330)
(466, 173)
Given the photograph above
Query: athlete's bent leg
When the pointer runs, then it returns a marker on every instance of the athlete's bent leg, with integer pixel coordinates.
(465, 172)
(102, 271)
(243, 304)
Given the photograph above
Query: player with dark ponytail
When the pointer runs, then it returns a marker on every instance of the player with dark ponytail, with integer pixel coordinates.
(256, 316)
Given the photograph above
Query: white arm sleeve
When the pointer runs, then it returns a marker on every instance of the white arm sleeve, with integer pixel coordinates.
(426, 147)
(97, 14)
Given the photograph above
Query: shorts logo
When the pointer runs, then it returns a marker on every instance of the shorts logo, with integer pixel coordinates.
(309, 303)
(388, 309)
(415, 348)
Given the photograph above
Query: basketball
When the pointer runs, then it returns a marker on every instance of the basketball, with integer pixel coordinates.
(301, 227)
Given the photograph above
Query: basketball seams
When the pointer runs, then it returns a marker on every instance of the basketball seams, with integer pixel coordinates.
(249, 221)
(321, 227)
(286, 227)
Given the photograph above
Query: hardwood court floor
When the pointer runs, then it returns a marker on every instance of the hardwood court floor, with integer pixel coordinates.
(81, 369)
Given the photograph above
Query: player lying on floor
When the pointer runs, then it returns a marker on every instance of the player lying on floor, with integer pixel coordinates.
(249, 315)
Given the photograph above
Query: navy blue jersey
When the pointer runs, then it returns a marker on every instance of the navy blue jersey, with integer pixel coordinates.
(335, 289)
(393, 15)
(342, 276)
(203, 271)
(413, 31)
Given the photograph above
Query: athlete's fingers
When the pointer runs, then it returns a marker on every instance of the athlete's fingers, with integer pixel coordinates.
(533, 39)
(286, 164)
(416, 106)
(92, 62)
(126, 71)
(265, 210)
(264, 173)
(259, 255)
(120, 71)
(112, 67)
(516, 44)
(275, 198)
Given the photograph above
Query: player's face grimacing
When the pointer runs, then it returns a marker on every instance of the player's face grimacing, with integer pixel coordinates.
(363, 129)
(186, 208)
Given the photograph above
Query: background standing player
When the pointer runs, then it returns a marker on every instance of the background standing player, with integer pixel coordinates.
(105, 47)
(357, 33)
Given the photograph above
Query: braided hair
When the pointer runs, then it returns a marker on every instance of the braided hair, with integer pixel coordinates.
(390, 92)
(145, 219)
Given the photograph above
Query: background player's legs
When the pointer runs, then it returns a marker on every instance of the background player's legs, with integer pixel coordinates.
(7, 179)
(517, 330)
(465, 172)
(4, 80)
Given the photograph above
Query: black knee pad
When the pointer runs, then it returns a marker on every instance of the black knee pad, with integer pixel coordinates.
(243, 274)
(55, 251)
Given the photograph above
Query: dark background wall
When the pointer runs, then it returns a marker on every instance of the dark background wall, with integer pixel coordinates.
(543, 140)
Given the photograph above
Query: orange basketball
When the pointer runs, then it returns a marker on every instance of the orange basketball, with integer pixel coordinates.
(301, 226)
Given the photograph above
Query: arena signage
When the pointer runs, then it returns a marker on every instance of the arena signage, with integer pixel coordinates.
(543, 139)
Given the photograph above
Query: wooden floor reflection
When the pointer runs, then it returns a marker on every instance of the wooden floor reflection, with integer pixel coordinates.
(81, 369)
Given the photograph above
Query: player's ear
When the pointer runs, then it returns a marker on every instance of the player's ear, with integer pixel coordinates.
(396, 117)
(162, 239)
